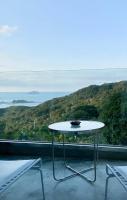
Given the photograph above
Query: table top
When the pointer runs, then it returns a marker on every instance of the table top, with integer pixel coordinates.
(84, 126)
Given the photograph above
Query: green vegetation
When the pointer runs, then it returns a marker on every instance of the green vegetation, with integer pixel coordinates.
(107, 103)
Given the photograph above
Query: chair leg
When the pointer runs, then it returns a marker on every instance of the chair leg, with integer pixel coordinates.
(42, 182)
(106, 187)
(110, 175)
(39, 167)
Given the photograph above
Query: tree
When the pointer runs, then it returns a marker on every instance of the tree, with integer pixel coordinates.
(114, 115)
(83, 112)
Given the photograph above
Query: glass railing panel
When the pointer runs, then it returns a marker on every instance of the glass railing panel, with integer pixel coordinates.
(31, 100)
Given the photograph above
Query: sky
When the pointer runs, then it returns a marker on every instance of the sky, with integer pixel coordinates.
(37, 35)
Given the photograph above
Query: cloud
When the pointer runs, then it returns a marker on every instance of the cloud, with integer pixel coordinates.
(7, 30)
(58, 80)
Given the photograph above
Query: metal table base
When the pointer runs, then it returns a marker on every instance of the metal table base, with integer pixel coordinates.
(75, 172)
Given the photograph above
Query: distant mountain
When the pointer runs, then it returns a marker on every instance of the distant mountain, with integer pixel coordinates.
(107, 103)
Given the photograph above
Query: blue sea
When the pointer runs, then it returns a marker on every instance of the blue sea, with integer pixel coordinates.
(30, 99)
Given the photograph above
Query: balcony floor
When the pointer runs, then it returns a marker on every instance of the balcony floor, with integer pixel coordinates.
(28, 187)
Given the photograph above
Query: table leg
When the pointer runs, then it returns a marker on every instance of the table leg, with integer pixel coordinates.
(80, 173)
(53, 162)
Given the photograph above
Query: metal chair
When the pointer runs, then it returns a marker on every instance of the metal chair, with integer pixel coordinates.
(11, 170)
(119, 172)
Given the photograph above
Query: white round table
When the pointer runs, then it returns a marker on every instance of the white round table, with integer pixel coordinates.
(82, 128)
(85, 127)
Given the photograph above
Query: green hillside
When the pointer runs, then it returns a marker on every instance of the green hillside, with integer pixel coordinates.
(107, 103)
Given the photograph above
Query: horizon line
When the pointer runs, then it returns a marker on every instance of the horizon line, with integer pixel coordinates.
(80, 69)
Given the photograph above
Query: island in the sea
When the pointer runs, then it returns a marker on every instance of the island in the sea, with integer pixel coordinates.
(21, 101)
(33, 92)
